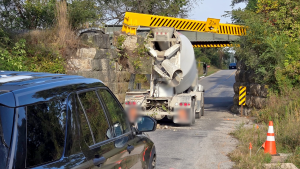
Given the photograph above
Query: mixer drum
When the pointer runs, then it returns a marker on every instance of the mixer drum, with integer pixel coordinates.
(187, 65)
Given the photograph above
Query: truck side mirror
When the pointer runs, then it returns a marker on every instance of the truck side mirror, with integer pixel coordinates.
(146, 124)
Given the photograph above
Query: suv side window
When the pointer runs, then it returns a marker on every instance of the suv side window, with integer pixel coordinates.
(93, 119)
(45, 132)
(115, 112)
(73, 137)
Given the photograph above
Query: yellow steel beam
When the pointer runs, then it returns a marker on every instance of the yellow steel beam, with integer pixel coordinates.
(133, 20)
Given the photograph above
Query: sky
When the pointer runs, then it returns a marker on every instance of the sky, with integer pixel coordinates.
(213, 9)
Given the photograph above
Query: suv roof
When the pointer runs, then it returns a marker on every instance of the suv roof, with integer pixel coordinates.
(26, 85)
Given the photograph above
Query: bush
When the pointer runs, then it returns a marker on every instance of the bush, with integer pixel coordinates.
(272, 47)
(284, 111)
(15, 58)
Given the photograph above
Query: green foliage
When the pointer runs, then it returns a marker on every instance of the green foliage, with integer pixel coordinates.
(4, 38)
(252, 5)
(141, 50)
(35, 14)
(120, 41)
(271, 47)
(137, 64)
(214, 56)
(38, 14)
(284, 111)
(82, 11)
(114, 10)
(15, 58)
(30, 14)
(23, 56)
(166, 8)
(245, 135)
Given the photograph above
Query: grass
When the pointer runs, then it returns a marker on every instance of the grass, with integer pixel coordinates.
(284, 111)
(47, 50)
(212, 70)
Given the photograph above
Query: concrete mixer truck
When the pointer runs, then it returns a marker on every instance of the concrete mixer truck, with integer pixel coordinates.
(174, 90)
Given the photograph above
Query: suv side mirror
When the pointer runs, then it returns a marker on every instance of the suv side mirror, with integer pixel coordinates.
(117, 128)
(146, 124)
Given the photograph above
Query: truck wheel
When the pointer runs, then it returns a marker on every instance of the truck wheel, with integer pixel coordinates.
(197, 115)
(193, 112)
(202, 111)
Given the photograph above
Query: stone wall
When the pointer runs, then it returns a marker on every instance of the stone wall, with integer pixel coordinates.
(256, 93)
(98, 60)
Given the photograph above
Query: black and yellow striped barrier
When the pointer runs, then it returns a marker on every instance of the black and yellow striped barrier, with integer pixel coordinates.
(242, 96)
(213, 44)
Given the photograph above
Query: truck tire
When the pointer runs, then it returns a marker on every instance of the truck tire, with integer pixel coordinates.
(202, 108)
(193, 112)
(197, 115)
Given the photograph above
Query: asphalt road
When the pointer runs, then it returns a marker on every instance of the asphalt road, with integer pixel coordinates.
(207, 143)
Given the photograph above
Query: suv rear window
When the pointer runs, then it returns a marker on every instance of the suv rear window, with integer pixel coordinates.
(6, 125)
(45, 132)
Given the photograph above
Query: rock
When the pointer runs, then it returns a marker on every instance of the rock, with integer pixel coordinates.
(102, 41)
(240, 65)
(237, 110)
(236, 99)
(166, 127)
(258, 102)
(106, 54)
(242, 76)
(264, 91)
(130, 43)
(80, 64)
(251, 77)
(100, 64)
(236, 87)
(247, 75)
(248, 100)
(158, 126)
(86, 53)
(234, 109)
(280, 166)
(255, 89)
(237, 76)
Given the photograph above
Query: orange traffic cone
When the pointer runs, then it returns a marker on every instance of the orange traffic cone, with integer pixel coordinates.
(263, 145)
(270, 146)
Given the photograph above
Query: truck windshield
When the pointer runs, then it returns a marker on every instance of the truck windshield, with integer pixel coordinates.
(6, 125)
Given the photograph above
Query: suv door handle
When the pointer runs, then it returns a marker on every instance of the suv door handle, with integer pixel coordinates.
(130, 148)
(99, 161)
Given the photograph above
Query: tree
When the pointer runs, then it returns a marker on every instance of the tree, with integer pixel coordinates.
(271, 48)
(114, 10)
(40, 14)
(214, 56)
(30, 14)
(83, 12)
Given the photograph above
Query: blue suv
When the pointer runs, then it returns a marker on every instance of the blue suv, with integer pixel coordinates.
(63, 121)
